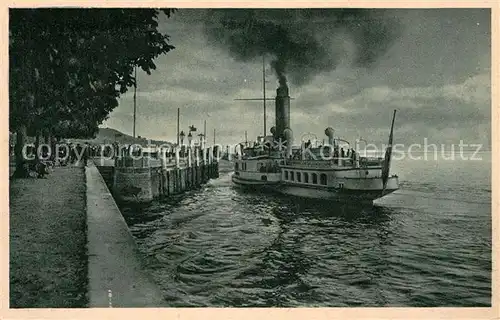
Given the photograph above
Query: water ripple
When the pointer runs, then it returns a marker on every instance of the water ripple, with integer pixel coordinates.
(429, 244)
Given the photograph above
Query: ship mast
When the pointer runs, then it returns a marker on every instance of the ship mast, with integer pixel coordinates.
(264, 94)
(264, 90)
(135, 97)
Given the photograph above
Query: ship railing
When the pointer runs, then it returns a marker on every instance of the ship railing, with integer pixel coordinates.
(345, 161)
(371, 161)
(272, 169)
(255, 153)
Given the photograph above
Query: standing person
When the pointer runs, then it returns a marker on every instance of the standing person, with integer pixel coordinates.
(72, 155)
(85, 155)
(63, 156)
(78, 153)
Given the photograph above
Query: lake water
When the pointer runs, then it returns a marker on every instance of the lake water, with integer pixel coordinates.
(426, 245)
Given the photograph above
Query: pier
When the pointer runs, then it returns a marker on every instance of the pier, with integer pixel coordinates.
(89, 256)
(158, 173)
(115, 275)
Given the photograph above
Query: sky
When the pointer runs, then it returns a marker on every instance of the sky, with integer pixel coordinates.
(432, 65)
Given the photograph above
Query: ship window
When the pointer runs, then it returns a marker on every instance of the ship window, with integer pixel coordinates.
(292, 175)
(322, 179)
(298, 176)
(306, 177)
(315, 178)
(264, 178)
(286, 175)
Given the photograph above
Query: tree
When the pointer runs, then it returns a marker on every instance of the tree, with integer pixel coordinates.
(68, 67)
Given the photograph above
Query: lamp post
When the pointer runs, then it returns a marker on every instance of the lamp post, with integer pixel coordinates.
(190, 138)
(181, 135)
(202, 146)
(201, 136)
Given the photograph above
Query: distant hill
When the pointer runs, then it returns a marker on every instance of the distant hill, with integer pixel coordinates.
(105, 135)
(109, 135)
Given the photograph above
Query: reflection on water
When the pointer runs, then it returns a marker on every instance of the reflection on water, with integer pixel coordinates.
(428, 244)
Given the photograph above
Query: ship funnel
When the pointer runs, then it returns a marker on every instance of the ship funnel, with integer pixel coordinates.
(329, 132)
(288, 134)
(282, 110)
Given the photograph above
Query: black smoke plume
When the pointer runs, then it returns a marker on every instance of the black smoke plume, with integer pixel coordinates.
(303, 42)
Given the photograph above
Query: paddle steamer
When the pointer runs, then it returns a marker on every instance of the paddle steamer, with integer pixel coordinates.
(329, 171)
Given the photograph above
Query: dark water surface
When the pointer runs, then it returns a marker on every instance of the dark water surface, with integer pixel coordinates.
(428, 244)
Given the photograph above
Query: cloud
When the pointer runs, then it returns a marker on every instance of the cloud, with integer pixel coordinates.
(437, 74)
(432, 112)
(475, 92)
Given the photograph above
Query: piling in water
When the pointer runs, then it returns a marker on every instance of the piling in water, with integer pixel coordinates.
(143, 180)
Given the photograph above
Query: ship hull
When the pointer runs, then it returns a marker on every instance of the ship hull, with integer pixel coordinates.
(254, 185)
(344, 195)
(322, 192)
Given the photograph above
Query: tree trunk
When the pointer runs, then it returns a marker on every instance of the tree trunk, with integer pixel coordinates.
(37, 145)
(20, 171)
(53, 142)
(48, 140)
(46, 137)
(29, 81)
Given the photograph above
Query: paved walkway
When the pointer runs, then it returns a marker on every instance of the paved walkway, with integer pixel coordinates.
(48, 258)
(114, 259)
(70, 245)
